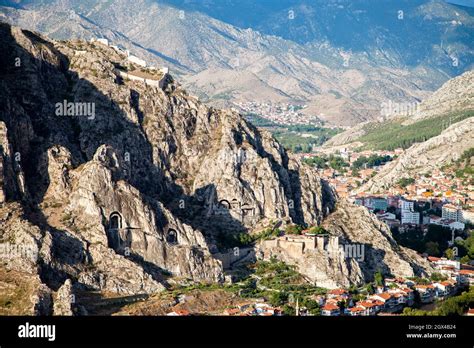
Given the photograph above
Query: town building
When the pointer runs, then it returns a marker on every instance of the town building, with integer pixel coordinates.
(330, 310)
(410, 217)
(451, 212)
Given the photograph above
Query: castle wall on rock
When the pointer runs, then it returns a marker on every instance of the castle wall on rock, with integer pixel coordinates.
(149, 82)
(234, 256)
(296, 246)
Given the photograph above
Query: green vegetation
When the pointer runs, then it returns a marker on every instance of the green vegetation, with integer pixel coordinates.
(420, 281)
(404, 182)
(296, 138)
(438, 277)
(464, 167)
(379, 279)
(337, 162)
(317, 230)
(293, 229)
(229, 240)
(324, 162)
(298, 230)
(300, 138)
(392, 134)
(434, 242)
(466, 248)
(371, 161)
(317, 162)
(282, 285)
(259, 121)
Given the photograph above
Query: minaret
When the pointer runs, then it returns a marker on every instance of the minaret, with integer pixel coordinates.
(297, 308)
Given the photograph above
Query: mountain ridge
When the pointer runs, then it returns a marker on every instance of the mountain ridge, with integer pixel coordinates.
(125, 200)
(221, 62)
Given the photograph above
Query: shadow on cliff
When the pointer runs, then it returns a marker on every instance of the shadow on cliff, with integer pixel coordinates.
(30, 92)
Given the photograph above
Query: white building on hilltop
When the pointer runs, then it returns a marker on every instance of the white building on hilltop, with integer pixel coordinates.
(101, 41)
(134, 59)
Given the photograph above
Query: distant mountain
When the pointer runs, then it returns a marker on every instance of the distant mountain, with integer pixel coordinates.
(452, 103)
(341, 58)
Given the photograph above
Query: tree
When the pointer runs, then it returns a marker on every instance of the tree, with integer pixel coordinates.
(436, 277)
(370, 289)
(317, 230)
(449, 254)
(404, 182)
(278, 298)
(288, 310)
(432, 248)
(293, 229)
(312, 306)
(378, 277)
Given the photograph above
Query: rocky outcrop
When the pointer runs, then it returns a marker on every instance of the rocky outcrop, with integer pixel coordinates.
(357, 246)
(424, 157)
(119, 184)
(455, 95)
(64, 300)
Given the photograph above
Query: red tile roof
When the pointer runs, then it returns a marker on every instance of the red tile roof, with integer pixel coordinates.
(338, 292)
(367, 304)
(330, 307)
(385, 296)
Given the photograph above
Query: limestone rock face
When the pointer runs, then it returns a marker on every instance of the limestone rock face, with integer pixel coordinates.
(120, 184)
(424, 157)
(356, 225)
(359, 245)
(64, 300)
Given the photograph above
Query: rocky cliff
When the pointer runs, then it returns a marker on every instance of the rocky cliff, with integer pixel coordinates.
(422, 158)
(357, 246)
(118, 185)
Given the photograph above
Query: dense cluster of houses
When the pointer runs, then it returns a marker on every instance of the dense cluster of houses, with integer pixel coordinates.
(398, 293)
(281, 113)
(453, 216)
(389, 298)
(439, 185)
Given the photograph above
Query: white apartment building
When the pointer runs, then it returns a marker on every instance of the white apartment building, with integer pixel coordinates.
(451, 212)
(410, 217)
(406, 205)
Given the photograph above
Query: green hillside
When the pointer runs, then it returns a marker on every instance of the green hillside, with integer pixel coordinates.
(393, 134)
